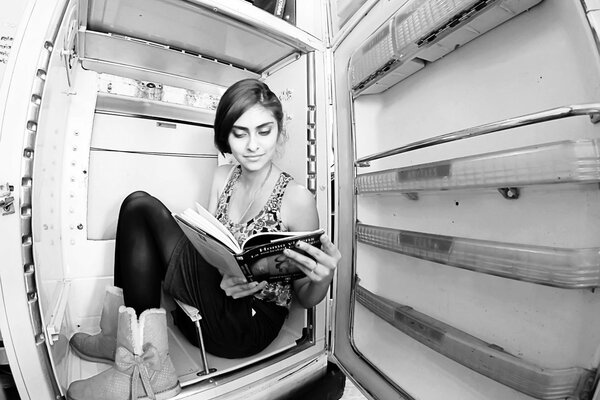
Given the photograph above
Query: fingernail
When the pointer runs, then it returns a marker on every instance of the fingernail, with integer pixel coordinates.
(287, 252)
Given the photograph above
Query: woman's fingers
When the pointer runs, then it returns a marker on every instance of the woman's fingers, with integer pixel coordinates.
(238, 287)
(330, 248)
(317, 264)
(328, 255)
(250, 289)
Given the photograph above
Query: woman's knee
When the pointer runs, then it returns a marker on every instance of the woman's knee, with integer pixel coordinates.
(142, 204)
(140, 201)
(138, 194)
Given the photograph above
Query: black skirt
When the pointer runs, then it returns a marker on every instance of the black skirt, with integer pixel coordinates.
(230, 328)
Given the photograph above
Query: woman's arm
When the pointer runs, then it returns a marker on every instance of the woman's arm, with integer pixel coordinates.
(299, 213)
(218, 182)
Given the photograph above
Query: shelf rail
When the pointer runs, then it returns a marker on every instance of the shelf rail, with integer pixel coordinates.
(550, 266)
(592, 110)
(571, 161)
(485, 358)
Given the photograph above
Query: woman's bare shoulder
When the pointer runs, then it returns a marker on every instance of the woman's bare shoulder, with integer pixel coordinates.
(298, 195)
(221, 174)
(299, 210)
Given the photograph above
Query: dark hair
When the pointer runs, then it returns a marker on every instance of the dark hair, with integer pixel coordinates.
(239, 98)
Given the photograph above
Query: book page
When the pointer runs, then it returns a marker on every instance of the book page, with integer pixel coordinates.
(209, 227)
(203, 212)
(212, 250)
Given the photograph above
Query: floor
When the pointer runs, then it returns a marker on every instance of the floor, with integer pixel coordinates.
(351, 392)
(333, 386)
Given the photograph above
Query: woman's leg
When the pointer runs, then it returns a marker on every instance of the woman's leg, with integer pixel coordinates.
(146, 237)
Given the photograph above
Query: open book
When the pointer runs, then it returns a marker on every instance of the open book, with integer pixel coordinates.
(258, 258)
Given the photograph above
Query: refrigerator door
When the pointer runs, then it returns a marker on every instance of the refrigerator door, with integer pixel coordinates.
(467, 200)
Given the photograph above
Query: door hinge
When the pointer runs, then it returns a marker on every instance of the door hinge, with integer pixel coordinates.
(7, 200)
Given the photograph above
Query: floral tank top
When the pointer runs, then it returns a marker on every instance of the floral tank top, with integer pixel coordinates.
(267, 220)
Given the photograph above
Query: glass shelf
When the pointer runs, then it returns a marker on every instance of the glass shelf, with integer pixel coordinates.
(559, 267)
(485, 358)
(559, 162)
(248, 37)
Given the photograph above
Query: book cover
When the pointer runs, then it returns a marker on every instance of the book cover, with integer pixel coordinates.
(258, 258)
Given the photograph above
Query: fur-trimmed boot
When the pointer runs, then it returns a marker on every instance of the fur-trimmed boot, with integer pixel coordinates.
(143, 367)
(102, 346)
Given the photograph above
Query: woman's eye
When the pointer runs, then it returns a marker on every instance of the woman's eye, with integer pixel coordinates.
(264, 133)
(238, 135)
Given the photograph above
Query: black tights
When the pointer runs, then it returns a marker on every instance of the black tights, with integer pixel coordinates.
(146, 237)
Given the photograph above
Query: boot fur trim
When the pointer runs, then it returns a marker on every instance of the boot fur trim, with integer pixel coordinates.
(137, 325)
(147, 313)
(136, 333)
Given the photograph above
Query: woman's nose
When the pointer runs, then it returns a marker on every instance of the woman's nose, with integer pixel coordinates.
(252, 144)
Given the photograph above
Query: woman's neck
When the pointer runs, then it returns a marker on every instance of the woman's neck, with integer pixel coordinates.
(253, 179)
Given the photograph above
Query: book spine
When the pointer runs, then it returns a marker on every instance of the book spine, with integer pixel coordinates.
(244, 266)
(277, 248)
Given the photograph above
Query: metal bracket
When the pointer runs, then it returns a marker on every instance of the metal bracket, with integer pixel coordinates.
(69, 51)
(194, 315)
(510, 193)
(6, 199)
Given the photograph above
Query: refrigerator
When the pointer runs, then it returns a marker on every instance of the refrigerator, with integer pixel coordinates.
(450, 145)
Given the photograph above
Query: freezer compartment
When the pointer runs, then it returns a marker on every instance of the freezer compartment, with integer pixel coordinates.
(424, 31)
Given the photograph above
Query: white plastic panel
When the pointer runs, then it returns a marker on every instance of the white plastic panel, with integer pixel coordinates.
(9, 20)
(130, 154)
(123, 133)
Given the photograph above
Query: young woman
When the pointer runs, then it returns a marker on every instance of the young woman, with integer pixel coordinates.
(239, 318)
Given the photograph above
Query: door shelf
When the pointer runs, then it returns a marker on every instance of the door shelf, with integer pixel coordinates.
(550, 266)
(575, 161)
(425, 30)
(485, 358)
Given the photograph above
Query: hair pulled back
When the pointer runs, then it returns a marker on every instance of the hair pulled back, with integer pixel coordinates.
(239, 98)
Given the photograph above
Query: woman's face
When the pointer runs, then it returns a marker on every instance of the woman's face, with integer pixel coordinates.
(253, 138)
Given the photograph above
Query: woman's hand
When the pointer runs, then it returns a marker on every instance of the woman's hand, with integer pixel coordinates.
(321, 267)
(238, 287)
